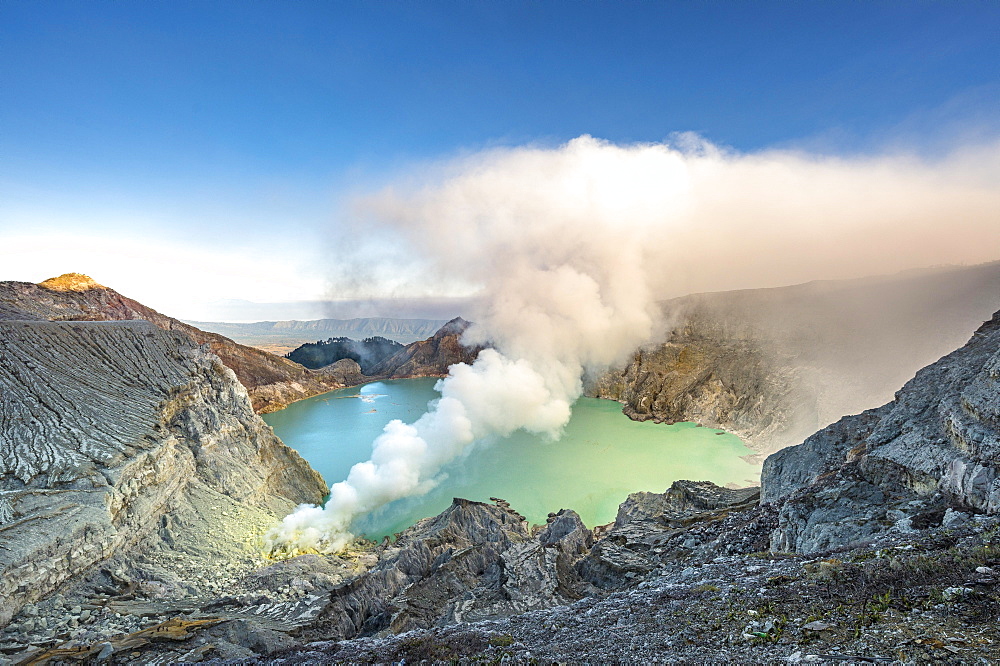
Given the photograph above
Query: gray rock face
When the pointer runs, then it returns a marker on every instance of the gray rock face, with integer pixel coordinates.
(775, 365)
(936, 445)
(652, 530)
(346, 371)
(107, 426)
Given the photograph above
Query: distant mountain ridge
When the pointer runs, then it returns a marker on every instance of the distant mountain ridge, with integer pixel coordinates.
(263, 332)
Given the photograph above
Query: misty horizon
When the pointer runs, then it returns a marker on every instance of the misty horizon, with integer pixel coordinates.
(241, 311)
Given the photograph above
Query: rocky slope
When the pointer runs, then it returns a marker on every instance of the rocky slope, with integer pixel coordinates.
(430, 357)
(111, 431)
(272, 381)
(932, 451)
(681, 576)
(774, 365)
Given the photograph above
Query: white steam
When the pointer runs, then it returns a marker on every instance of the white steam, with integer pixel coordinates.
(571, 247)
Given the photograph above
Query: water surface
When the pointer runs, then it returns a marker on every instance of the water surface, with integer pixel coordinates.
(602, 456)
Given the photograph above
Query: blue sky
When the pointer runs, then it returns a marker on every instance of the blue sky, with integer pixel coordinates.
(236, 129)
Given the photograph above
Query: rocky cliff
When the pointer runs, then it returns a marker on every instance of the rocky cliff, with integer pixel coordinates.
(931, 451)
(774, 365)
(108, 432)
(272, 381)
(430, 357)
(473, 561)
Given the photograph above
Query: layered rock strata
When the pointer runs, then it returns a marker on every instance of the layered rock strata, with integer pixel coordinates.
(272, 381)
(106, 429)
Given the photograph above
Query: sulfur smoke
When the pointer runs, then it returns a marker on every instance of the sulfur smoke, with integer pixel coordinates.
(570, 248)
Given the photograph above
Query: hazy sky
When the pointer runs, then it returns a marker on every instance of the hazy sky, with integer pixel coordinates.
(184, 153)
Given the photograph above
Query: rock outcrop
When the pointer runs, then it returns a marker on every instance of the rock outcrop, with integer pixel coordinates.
(930, 453)
(345, 371)
(272, 381)
(775, 365)
(431, 357)
(107, 432)
(746, 387)
(478, 561)
(471, 562)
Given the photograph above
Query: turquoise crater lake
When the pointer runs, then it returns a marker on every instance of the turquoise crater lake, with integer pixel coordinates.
(601, 458)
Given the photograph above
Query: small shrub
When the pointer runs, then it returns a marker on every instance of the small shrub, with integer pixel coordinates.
(705, 587)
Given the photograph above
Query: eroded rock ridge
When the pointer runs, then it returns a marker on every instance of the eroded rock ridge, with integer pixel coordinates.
(431, 357)
(932, 451)
(272, 381)
(106, 430)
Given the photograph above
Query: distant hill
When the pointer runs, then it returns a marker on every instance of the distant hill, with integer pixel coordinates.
(295, 333)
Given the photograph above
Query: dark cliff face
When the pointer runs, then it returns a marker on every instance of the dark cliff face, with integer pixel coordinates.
(431, 357)
(935, 447)
(368, 352)
(774, 365)
(272, 381)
